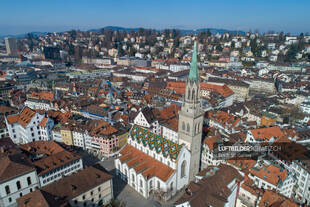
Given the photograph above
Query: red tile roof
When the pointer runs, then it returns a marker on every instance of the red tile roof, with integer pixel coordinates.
(145, 164)
(179, 87)
(23, 118)
(272, 198)
(267, 133)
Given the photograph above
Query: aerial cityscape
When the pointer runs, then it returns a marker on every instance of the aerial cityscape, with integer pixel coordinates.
(154, 104)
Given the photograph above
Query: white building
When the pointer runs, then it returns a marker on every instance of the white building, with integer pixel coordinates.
(270, 177)
(28, 126)
(16, 179)
(305, 106)
(302, 172)
(52, 161)
(179, 67)
(146, 118)
(39, 104)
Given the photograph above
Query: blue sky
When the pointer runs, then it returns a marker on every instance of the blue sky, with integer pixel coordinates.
(21, 16)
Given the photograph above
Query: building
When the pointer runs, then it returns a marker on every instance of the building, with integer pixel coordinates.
(269, 134)
(215, 186)
(147, 119)
(249, 194)
(178, 67)
(17, 178)
(153, 165)
(5, 110)
(207, 156)
(89, 187)
(29, 125)
(11, 46)
(52, 53)
(271, 198)
(51, 161)
(225, 122)
(191, 117)
(240, 88)
(40, 100)
(272, 177)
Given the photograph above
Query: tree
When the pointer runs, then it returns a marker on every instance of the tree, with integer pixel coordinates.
(291, 53)
(232, 44)
(209, 33)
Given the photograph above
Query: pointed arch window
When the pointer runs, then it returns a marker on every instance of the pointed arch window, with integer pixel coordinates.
(183, 126)
(188, 128)
(188, 94)
(193, 95)
(183, 168)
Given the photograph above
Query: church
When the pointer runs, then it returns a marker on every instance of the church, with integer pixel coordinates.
(157, 165)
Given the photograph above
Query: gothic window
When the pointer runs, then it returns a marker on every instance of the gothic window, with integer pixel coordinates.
(133, 178)
(171, 186)
(193, 95)
(183, 168)
(188, 127)
(158, 184)
(183, 126)
(188, 94)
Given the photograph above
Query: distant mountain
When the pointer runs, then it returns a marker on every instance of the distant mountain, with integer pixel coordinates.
(36, 34)
(183, 31)
(115, 28)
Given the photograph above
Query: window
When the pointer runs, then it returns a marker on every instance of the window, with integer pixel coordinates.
(18, 185)
(158, 184)
(151, 184)
(193, 95)
(141, 183)
(7, 190)
(99, 189)
(21, 194)
(188, 127)
(183, 168)
(133, 178)
(10, 200)
(171, 186)
(91, 192)
(188, 94)
(29, 180)
(83, 197)
(183, 126)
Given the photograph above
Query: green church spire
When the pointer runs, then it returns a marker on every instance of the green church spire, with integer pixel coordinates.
(193, 73)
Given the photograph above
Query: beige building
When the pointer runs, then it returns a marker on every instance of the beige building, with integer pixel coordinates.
(240, 88)
(66, 135)
(89, 187)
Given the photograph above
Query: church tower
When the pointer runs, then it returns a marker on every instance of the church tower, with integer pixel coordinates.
(191, 117)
